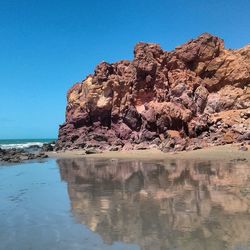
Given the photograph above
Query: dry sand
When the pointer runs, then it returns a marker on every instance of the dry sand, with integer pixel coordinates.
(226, 152)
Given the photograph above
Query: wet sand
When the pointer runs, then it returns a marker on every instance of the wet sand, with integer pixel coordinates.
(161, 201)
(225, 152)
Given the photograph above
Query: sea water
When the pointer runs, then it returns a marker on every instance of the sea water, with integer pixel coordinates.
(23, 143)
(125, 204)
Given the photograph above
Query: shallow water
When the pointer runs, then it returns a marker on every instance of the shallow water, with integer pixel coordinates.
(118, 204)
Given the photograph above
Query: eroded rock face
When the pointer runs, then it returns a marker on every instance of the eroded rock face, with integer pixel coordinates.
(200, 90)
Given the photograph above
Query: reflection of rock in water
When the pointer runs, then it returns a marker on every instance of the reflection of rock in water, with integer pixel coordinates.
(163, 205)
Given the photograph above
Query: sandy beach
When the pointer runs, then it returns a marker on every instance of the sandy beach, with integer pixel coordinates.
(225, 152)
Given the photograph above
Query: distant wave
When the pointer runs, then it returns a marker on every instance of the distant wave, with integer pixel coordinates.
(26, 145)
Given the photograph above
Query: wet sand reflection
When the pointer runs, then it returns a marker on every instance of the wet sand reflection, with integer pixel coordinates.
(162, 205)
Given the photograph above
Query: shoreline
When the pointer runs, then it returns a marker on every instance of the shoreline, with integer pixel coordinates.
(225, 152)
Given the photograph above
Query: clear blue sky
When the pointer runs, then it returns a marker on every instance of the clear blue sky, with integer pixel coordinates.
(47, 45)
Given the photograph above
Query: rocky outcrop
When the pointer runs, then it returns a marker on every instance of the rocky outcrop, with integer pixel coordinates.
(19, 155)
(195, 96)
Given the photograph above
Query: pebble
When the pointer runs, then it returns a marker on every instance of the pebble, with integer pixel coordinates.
(243, 148)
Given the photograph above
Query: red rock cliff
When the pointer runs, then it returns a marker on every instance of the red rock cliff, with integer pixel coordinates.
(194, 96)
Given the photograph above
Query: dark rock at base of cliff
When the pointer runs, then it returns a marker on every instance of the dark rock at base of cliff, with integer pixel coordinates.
(48, 147)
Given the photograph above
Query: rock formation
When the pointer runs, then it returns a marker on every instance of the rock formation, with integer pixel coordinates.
(14, 155)
(195, 96)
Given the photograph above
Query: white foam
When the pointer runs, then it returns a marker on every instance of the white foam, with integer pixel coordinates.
(21, 145)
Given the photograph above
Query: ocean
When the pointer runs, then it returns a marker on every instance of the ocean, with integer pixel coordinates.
(23, 143)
